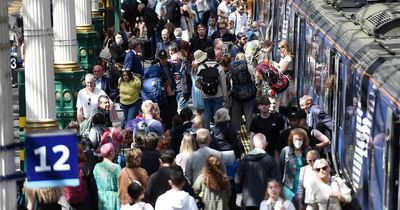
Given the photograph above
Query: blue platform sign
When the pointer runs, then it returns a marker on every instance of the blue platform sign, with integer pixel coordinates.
(52, 159)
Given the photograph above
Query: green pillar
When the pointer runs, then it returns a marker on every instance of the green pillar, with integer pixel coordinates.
(88, 52)
(67, 84)
(98, 25)
(112, 15)
(117, 15)
(22, 114)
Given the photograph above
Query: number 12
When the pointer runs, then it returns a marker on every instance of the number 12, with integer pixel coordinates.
(59, 165)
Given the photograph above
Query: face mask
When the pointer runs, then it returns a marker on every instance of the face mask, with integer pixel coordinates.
(297, 144)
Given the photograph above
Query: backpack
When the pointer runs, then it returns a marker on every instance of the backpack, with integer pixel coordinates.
(277, 81)
(173, 12)
(243, 87)
(77, 194)
(228, 45)
(85, 126)
(209, 81)
(152, 85)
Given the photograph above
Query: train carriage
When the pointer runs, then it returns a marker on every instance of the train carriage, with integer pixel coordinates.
(347, 56)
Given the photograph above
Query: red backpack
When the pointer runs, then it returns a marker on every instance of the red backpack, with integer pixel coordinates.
(277, 81)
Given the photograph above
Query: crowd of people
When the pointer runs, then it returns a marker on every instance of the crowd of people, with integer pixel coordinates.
(180, 143)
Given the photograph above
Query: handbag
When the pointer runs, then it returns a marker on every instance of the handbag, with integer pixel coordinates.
(105, 53)
(287, 193)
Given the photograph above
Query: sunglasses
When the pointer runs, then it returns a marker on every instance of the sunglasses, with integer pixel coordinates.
(90, 100)
(323, 168)
(222, 28)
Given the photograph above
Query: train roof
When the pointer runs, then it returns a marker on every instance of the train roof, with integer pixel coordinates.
(373, 49)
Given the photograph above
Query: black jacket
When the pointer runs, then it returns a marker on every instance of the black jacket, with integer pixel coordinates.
(117, 52)
(150, 19)
(226, 136)
(254, 171)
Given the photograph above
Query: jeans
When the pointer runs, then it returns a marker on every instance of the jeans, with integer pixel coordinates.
(239, 108)
(211, 105)
(130, 111)
(181, 101)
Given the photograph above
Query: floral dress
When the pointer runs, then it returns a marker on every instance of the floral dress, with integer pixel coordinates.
(106, 176)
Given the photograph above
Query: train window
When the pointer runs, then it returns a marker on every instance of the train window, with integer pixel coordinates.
(328, 71)
(310, 60)
(321, 60)
(264, 11)
(351, 102)
(291, 24)
(282, 21)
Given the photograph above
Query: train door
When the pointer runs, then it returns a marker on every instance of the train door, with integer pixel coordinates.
(335, 106)
(392, 154)
(299, 50)
(267, 16)
(281, 24)
(263, 12)
(383, 155)
(345, 147)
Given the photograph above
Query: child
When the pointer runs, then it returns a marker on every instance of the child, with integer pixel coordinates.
(136, 192)
(274, 199)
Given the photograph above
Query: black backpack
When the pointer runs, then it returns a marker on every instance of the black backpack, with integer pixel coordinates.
(209, 82)
(243, 87)
(173, 12)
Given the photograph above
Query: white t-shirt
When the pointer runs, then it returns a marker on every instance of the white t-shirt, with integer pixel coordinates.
(224, 8)
(279, 204)
(239, 22)
(88, 100)
(175, 200)
(202, 5)
(137, 206)
(288, 59)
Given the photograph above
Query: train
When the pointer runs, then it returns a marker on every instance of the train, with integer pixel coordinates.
(347, 57)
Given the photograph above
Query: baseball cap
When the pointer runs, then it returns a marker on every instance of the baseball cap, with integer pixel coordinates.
(162, 54)
(301, 114)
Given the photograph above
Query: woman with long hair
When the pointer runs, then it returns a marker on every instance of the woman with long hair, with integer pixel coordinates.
(129, 93)
(43, 198)
(213, 186)
(286, 62)
(106, 175)
(274, 198)
(186, 149)
(131, 173)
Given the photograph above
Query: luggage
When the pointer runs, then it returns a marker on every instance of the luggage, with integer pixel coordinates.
(277, 81)
(243, 87)
(152, 85)
(209, 81)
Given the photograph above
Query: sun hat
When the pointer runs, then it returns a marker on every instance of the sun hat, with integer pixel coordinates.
(106, 149)
(199, 56)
